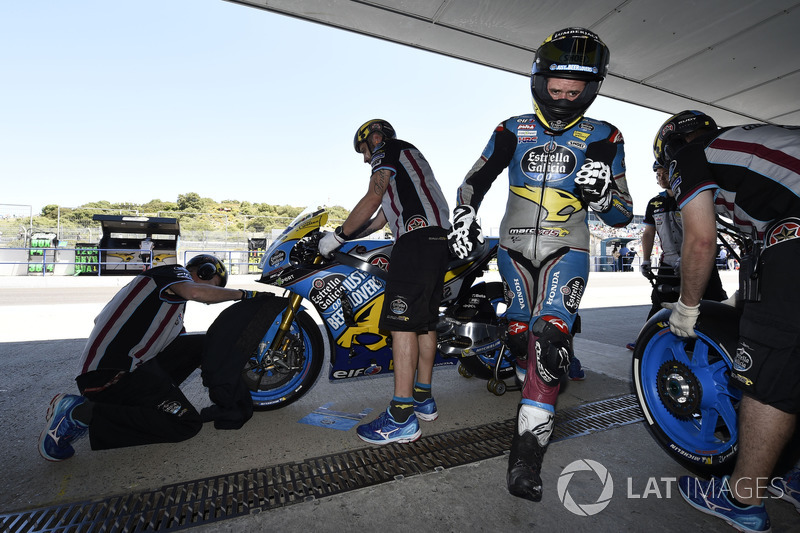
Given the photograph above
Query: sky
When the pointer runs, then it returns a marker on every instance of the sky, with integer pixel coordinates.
(137, 101)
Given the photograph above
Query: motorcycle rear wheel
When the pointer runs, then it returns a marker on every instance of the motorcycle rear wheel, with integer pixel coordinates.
(288, 375)
(482, 365)
(690, 409)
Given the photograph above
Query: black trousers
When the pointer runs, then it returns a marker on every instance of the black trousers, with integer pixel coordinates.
(146, 406)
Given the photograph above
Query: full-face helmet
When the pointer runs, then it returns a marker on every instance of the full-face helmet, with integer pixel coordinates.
(370, 127)
(206, 266)
(671, 137)
(572, 53)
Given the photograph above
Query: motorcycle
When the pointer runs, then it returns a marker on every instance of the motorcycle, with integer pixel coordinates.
(347, 293)
(683, 385)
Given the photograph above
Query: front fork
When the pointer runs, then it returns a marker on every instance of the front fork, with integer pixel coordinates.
(280, 341)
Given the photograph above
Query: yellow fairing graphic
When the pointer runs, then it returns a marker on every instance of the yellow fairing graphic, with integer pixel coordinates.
(366, 322)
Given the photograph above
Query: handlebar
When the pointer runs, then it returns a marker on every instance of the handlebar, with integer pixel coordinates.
(307, 249)
(663, 288)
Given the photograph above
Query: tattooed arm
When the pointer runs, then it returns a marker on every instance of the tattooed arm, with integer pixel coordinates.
(361, 214)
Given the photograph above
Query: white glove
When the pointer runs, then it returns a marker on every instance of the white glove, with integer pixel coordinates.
(594, 183)
(683, 318)
(329, 243)
(466, 232)
(645, 269)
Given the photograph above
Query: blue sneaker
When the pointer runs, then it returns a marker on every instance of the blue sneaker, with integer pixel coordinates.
(576, 372)
(55, 442)
(426, 410)
(385, 430)
(711, 497)
(787, 487)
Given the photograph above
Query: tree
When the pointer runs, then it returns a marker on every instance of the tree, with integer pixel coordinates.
(50, 211)
(190, 201)
(156, 206)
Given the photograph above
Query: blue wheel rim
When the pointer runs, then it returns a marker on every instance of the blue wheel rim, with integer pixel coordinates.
(712, 429)
(490, 359)
(264, 397)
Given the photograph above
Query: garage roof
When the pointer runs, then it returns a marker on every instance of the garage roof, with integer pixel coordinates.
(737, 60)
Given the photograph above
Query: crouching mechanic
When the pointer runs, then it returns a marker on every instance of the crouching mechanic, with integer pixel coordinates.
(134, 361)
(560, 164)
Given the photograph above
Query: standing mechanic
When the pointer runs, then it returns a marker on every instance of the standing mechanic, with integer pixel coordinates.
(560, 164)
(404, 191)
(134, 361)
(663, 218)
(750, 174)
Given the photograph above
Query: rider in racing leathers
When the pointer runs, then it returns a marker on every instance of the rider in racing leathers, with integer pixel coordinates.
(560, 164)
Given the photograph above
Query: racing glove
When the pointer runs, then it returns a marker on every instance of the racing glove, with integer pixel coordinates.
(331, 241)
(683, 318)
(594, 184)
(645, 269)
(466, 233)
(246, 295)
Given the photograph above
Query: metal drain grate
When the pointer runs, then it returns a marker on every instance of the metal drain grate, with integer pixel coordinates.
(208, 500)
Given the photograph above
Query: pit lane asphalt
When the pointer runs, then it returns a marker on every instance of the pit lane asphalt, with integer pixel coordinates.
(45, 321)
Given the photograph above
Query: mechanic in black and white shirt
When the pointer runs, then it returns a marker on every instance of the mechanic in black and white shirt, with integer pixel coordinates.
(403, 192)
(134, 361)
(663, 218)
(751, 175)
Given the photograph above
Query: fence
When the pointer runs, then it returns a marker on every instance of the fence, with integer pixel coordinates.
(71, 226)
(224, 234)
(76, 261)
(87, 261)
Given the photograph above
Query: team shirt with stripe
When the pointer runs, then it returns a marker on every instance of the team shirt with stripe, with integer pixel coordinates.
(754, 171)
(413, 198)
(138, 323)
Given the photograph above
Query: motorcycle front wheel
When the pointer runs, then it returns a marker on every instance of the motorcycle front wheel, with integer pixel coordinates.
(689, 407)
(279, 377)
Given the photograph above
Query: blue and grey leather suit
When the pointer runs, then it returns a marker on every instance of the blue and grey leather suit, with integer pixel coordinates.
(544, 234)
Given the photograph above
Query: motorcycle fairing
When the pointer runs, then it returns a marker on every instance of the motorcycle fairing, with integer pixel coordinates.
(348, 291)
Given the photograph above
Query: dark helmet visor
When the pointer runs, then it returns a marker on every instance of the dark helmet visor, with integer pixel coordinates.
(572, 56)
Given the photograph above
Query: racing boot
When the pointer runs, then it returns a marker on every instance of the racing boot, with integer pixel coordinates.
(534, 427)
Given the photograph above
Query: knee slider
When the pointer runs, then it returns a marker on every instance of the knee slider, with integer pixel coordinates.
(517, 339)
(552, 345)
(538, 419)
